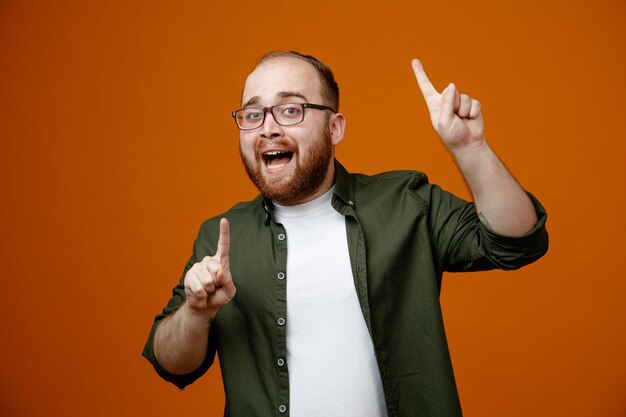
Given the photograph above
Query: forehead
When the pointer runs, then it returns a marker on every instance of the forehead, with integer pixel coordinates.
(269, 81)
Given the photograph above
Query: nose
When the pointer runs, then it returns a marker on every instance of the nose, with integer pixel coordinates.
(270, 128)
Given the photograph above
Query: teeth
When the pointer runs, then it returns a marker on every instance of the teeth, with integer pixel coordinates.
(273, 163)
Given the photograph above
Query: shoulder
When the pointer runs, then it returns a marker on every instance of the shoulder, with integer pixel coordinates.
(349, 181)
(406, 177)
(389, 190)
(392, 184)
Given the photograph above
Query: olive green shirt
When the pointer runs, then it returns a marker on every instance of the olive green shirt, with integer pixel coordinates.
(403, 233)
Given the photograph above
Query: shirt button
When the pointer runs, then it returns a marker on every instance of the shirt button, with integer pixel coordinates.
(281, 236)
(282, 408)
(281, 321)
(280, 362)
(281, 275)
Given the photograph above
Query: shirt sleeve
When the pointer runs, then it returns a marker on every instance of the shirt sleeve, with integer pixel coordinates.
(463, 243)
(178, 297)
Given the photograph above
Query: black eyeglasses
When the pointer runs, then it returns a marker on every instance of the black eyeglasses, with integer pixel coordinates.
(286, 114)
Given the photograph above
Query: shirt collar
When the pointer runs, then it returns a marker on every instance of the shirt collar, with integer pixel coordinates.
(344, 189)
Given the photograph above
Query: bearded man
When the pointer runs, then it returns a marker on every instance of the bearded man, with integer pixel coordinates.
(321, 295)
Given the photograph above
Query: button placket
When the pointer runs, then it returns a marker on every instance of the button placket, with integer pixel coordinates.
(280, 239)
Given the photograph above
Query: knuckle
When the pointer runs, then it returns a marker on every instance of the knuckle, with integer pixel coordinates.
(191, 275)
(212, 269)
(199, 295)
(197, 292)
(207, 281)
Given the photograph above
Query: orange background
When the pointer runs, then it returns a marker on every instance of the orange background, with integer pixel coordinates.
(117, 142)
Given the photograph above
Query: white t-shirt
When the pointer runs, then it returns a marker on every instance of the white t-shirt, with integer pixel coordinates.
(332, 367)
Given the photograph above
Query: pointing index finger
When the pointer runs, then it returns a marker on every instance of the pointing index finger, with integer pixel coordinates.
(223, 243)
(422, 80)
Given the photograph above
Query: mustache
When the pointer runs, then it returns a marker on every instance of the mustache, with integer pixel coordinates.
(286, 144)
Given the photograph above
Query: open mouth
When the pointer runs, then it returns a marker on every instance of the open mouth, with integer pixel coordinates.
(277, 159)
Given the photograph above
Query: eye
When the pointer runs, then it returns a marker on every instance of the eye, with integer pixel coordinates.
(291, 111)
(252, 114)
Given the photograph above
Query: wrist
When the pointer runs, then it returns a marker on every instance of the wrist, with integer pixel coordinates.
(197, 318)
(473, 151)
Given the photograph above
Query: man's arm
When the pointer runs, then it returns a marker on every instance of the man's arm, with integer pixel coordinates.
(181, 339)
(502, 204)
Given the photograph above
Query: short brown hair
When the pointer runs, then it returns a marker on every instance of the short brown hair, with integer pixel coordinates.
(330, 89)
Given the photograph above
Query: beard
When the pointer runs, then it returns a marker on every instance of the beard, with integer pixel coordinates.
(309, 174)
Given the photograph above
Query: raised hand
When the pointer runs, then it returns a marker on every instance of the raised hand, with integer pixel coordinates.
(208, 283)
(456, 117)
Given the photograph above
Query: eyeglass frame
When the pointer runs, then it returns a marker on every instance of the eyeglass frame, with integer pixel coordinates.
(270, 109)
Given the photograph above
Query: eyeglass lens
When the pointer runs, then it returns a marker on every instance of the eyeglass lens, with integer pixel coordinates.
(284, 114)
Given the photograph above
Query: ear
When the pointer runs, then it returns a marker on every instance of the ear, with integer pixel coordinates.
(337, 127)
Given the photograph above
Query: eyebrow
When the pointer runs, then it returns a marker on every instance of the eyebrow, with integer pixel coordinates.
(282, 95)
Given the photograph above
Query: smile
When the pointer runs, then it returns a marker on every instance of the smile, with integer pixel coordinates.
(275, 160)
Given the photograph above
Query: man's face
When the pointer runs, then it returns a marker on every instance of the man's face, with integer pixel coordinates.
(288, 164)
